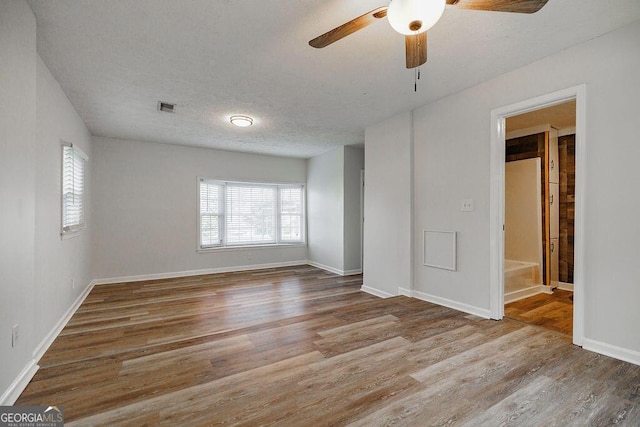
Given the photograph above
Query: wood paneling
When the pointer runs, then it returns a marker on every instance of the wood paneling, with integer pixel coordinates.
(302, 347)
(567, 154)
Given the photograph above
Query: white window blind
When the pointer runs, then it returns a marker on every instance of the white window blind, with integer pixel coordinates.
(291, 213)
(246, 214)
(251, 214)
(73, 188)
(211, 208)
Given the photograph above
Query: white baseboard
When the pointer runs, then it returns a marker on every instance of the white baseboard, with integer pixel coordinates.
(55, 331)
(526, 293)
(376, 292)
(405, 292)
(616, 352)
(18, 385)
(333, 269)
(175, 274)
(22, 380)
(565, 286)
(477, 311)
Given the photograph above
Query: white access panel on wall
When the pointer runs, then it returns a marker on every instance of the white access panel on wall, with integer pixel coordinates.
(439, 249)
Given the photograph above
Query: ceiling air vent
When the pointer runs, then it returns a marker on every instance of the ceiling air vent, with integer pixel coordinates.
(166, 107)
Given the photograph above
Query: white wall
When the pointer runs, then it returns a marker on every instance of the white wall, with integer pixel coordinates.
(333, 210)
(452, 149)
(387, 224)
(353, 164)
(37, 266)
(325, 208)
(145, 200)
(62, 266)
(17, 186)
(523, 211)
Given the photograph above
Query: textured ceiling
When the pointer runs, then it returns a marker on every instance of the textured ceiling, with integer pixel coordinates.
(115, 59)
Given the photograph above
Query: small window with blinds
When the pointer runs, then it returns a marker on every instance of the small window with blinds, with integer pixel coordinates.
(73, 189)
(291, 213)
(250, 214)
(211, 208)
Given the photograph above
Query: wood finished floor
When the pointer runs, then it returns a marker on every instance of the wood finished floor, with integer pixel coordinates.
(302, 347)
(553, 311)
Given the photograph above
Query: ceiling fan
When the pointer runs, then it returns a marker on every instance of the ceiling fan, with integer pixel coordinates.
(414, 17)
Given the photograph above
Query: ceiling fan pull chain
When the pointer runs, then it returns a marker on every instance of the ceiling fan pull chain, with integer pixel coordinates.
(416, 70)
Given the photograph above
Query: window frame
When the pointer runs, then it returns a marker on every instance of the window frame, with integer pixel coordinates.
(279, 242)
(67, 231)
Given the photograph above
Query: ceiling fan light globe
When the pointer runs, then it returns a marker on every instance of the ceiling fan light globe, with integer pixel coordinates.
(403, 14)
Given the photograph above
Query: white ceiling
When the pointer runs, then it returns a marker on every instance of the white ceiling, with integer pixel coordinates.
(214, 58)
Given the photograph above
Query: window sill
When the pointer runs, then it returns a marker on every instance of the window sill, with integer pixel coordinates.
(250, 248)
(71, 234)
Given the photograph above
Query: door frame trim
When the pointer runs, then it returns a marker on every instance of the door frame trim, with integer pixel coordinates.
(498, 134)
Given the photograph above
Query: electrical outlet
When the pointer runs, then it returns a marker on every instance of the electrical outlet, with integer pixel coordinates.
(14, 335)
(467, 205)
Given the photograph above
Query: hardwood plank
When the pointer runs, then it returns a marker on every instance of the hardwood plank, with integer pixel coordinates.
(299, 346)
(553, 311)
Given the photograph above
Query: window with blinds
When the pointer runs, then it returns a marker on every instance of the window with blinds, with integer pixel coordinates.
(249, 214)
(73, 188)
(211, 208)
(290, 212)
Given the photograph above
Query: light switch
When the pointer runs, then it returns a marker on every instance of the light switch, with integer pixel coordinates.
(467, 205)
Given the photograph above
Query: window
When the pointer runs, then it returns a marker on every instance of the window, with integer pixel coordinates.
(291, 214)
(73, 194)
(210, 214)
(249, 214)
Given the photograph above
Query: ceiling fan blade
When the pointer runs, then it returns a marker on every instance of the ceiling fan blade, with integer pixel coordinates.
(515, 6)
(349, 28)
(416, 47)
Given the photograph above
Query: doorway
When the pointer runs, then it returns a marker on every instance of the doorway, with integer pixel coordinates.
(498, 159)
(539, 217)
(362, 220)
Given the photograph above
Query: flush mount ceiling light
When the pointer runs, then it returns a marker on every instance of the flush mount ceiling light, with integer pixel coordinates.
(241, 121)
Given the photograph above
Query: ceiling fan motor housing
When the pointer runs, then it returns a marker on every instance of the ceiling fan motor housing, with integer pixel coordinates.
(415, 25)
